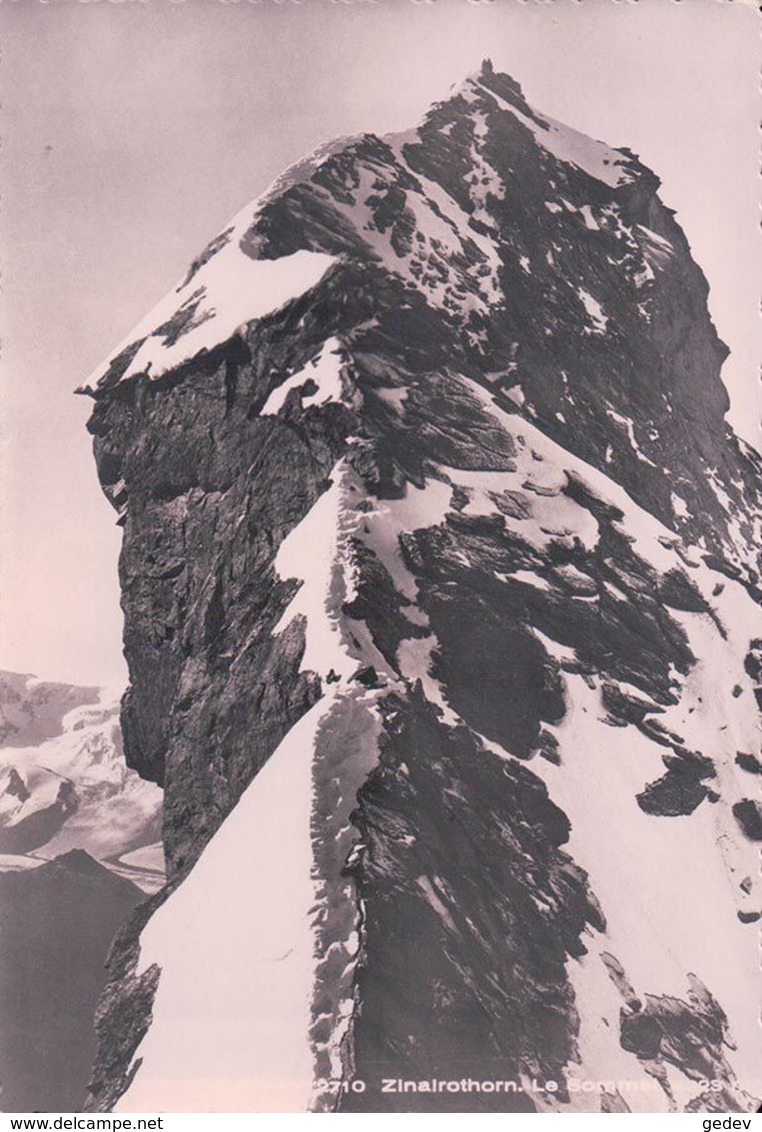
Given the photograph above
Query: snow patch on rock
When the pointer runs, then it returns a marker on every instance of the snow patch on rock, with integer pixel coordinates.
(228, 292)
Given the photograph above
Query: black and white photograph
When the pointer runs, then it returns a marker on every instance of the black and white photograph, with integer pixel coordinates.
(380, 573)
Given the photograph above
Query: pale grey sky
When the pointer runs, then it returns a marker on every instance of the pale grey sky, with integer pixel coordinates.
(134, 130)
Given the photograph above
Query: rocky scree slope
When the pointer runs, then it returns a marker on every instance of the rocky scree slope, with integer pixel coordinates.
(441, 590)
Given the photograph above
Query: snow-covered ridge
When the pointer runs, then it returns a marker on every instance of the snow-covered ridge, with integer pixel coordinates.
(566, 144)
(243, 1037)
(232, 1011)
(230, 290)
(228, 286)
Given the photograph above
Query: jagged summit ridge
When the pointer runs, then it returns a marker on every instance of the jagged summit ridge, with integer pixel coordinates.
(452, 530)
(178, 318)
(547, 260)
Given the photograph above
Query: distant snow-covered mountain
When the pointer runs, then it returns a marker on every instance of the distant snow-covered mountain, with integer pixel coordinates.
(64, 784)
(80, 848)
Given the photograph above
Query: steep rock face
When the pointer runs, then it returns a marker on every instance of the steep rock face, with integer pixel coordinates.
(439, 575)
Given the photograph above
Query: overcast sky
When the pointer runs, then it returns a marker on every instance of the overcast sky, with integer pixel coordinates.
(134, 130)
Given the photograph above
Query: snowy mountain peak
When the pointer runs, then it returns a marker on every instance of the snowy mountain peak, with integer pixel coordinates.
(485, 76)
(441, 585)
(187, 322)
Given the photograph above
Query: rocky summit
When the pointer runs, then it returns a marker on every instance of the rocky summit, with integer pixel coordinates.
(441, 599)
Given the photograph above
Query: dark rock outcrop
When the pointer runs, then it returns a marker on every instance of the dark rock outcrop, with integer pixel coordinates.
(681, 789)
(748, 814)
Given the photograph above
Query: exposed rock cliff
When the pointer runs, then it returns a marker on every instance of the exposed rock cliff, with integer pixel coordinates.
(440, 577)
